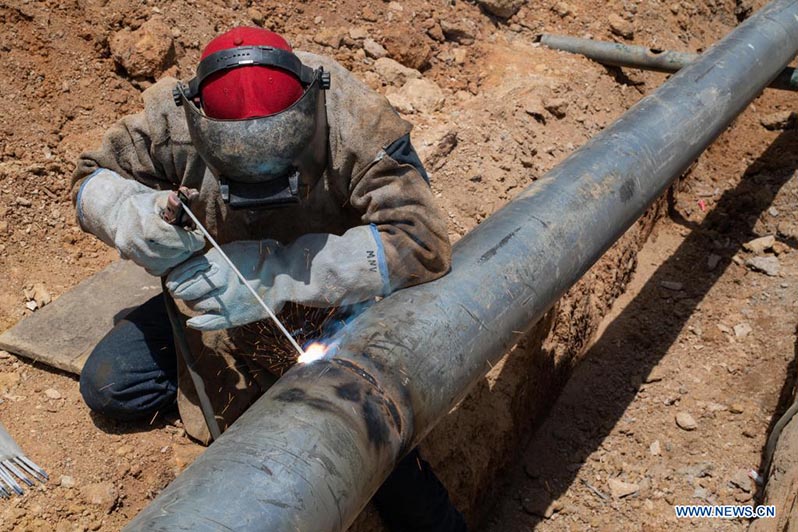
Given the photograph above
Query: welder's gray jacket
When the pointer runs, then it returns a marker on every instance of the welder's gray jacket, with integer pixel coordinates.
(361, 185)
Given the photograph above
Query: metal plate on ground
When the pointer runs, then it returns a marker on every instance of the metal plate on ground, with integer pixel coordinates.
(63, 333)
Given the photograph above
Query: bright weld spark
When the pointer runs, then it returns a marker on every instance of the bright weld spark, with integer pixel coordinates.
(314, 352)
(244, 280)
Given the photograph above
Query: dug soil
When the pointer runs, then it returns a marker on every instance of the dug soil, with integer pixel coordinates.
(682, 379)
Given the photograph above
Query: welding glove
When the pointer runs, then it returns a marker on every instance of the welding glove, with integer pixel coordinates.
(316, 270)
(126, 214)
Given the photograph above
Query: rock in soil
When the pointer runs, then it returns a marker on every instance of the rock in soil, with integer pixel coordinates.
(374, 49)
(759, 245)
(424, 95)
(685, 421)
(768, 265)
(407, 47)
(620, 489)
(52, 393)
(501, 8)
(101, 494)
(620, 26)
(742, 481)
(146, 52)
(742, 330)
(779, 121)
(393, 72)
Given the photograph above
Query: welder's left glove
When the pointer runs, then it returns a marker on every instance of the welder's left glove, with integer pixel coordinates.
(316, 270)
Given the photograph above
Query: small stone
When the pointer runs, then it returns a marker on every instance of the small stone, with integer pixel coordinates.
(368, 14)
(393, 72)
(780, 248)
(700, 470)
(787, 229)
(742, 330)
(330, 37)
(66, 481)
(8, 379)
(685, 421)
(255, 15)
(52, 393)
(424, 95)
(655, 449)
(41, 295)
(773, 211)
(460, 56)
(374, 49)
(620, 489)
(501, 8)
(556, 106)
(779, 121)
(671, 285)
(358, 34)
(562, 9)
(712, 261)
(760, 245)
(461, 32)
(124, 450)
(620, 26)
(101, 494)
(31, 305)
(741, 480)
(749, 433)
(701, 493)
(3, 226)
(736, 408)
(770, 266)
(538, 502)
(22, 201)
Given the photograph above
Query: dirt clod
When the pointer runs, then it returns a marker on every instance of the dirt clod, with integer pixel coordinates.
(146, 52)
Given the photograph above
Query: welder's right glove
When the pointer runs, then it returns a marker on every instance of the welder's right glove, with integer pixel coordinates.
(126, 214)
(316, 270)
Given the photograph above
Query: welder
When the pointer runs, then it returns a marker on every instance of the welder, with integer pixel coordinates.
(310, 184)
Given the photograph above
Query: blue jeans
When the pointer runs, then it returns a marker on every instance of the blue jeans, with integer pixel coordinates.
(132, 374)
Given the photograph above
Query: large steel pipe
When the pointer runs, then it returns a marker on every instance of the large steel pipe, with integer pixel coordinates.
(311, 452)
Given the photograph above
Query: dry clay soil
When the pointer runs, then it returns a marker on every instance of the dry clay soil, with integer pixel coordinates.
(698, 332)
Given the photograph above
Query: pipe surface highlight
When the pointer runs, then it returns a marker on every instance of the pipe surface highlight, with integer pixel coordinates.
(310, 453)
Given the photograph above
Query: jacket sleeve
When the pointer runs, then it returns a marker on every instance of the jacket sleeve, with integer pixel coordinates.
(152, 146)
(394, 197)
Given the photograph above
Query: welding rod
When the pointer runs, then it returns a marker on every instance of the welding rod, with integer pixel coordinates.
(15, 465)
(242, 279)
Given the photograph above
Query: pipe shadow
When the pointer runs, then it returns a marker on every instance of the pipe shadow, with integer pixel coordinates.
(614, 368)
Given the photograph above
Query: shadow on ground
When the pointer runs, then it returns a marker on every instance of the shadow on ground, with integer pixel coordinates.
(609, 377)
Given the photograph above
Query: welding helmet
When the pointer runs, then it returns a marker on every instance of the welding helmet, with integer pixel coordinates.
(256, 115)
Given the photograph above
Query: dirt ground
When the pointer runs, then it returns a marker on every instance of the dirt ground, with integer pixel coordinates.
(711, 342)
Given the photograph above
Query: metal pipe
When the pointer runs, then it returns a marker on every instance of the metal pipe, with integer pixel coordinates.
(626, 55)
(310, 453)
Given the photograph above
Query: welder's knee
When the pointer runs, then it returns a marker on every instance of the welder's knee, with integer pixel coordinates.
(108, 390)
(98, 390)
(111, 386)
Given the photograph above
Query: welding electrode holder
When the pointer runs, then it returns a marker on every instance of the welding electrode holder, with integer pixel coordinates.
(173, 213)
